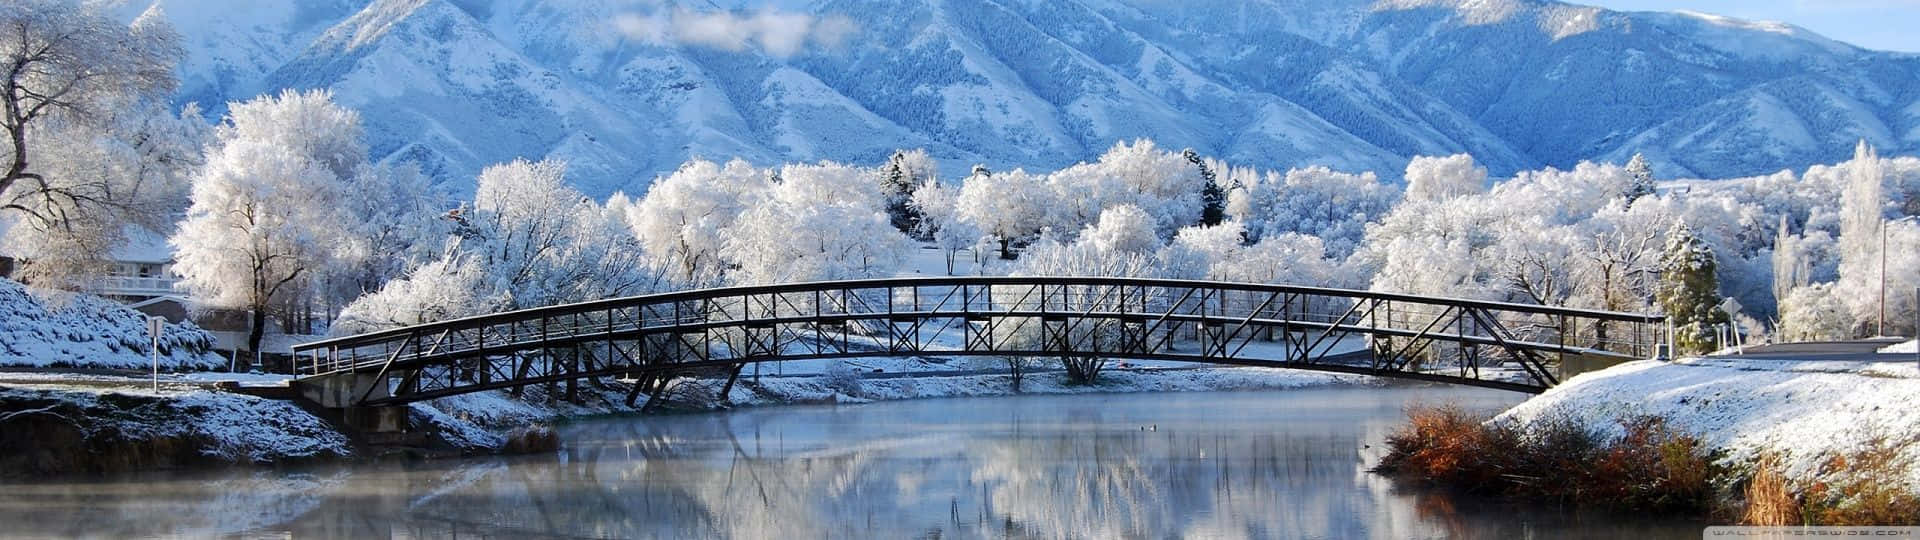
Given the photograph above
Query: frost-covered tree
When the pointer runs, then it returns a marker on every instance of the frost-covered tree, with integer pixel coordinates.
(1290, 258)
(1122, 229)
(446, 288)
(271, 219)
(252, 233)
(1332, 205)
(683, 217)
(938, 206)
(1862, 216)
(354, 224)
(1437, 247)
(1197, 251)
(1641, 175)
(78, 85)
(1616, 268)
(823, 222)
(1011, 206)
(1689, 291)
(544, 243)
(526, 240)
(1536, 261)
(1084, 257)
(1792, 268)
(142, 154)
(905, 172)
(1442, 178)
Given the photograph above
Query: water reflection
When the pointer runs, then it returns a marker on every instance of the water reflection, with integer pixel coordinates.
(1216, 465)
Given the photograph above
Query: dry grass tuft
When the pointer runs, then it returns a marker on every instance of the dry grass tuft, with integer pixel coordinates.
(1769, 501)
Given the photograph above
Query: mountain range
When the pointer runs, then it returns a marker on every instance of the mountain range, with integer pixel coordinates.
(627, 90)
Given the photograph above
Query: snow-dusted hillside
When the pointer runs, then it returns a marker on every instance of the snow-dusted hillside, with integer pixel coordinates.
(626, 90)
(76, 330)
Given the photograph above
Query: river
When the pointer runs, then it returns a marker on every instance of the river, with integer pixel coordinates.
(1276, 464)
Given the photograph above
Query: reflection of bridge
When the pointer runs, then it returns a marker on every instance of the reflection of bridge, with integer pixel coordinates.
(1493, 344)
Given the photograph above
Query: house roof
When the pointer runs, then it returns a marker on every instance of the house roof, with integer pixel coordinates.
(143, 246)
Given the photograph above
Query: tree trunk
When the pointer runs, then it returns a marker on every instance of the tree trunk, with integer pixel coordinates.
(255, 329)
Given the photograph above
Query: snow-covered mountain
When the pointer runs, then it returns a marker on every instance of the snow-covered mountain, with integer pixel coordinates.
(625, 90)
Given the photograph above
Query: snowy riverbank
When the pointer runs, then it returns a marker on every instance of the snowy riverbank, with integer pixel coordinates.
(1805, 412)
(97, 426)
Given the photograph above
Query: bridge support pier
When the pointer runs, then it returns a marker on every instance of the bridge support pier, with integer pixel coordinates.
(342, 391)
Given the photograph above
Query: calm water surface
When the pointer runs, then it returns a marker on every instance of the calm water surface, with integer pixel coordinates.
(1276, 464)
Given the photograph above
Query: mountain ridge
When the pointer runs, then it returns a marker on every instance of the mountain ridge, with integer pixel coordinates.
(1351, 84)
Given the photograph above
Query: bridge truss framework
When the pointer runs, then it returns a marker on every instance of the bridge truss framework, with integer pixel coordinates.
(651, 337)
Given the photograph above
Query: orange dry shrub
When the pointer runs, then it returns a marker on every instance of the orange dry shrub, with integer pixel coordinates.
(1869, 488)
(1651, 467)
(1445, 445)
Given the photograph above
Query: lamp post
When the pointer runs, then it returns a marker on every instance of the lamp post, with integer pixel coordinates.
(1882, 328)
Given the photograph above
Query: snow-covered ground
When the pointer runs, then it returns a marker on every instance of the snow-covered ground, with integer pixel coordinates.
(57, 329)
(1908, 347)
(927, 260)
(1804, 411)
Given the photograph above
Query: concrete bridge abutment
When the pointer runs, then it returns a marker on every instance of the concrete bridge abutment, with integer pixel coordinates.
(344, 391)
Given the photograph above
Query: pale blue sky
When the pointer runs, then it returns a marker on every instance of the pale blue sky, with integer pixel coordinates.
(1892, 25)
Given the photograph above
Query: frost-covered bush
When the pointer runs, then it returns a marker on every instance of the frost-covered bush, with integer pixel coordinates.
(843, 377)
(41, 328)
(448, 288)
(1814, 313)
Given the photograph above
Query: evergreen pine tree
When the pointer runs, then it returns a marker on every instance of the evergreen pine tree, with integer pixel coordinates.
(898, 183)
(1214, 198)
(1689, 290)
(1641, 182)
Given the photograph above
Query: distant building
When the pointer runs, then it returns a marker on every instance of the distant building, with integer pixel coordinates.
(142, 269)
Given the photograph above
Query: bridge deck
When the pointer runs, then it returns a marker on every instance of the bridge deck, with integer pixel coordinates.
(1038, 316)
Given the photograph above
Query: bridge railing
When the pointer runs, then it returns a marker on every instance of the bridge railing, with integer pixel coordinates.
(871, 305)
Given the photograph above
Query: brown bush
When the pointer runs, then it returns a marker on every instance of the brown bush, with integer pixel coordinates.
(1869, 488)
(1652, 467)
(1448, 446)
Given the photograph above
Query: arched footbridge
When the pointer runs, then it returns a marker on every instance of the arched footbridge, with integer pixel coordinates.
(714, 332)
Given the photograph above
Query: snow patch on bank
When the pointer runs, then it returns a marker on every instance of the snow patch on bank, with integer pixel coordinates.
(1909, 347)
(1806, 412)
(60, 329)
